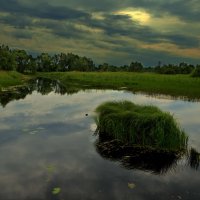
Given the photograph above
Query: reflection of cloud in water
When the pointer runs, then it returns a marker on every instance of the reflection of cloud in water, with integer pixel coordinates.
(65, 108)
(65, 143)
(35, 108)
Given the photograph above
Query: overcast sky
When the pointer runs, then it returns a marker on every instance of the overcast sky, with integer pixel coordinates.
(114, 31)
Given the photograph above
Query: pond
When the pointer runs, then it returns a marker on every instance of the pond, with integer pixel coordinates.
(48, 148)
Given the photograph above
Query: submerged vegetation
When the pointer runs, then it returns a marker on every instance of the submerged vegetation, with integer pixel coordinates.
(146, 126)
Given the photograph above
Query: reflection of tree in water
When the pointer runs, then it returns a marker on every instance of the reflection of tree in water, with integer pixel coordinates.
(194, 158)
(41, 85)
(14, 94)
(146, 159)
(45, 86)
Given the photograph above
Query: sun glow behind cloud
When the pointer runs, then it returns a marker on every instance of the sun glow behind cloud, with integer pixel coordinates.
(136, 15)
(111, 31)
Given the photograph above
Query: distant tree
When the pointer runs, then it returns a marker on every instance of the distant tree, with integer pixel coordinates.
(186, 68)
(31, 66)
(73, 61)
(103, 67)
(44, 63)
(135, 67)
(196, 72)
(21, 61)
(85, 64)
(149, 69)
(63, 62)
(124, 68)
(182, 68)
(21, 58)
(7, 59)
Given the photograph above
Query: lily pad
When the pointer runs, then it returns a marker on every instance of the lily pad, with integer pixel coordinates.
(56, 190)
(50, 168)
(131, 185)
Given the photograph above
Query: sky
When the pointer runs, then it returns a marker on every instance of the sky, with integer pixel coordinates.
(113, 31)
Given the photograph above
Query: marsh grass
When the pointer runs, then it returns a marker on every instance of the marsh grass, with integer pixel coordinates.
(183, 86)
(11, 78)
(140, 125)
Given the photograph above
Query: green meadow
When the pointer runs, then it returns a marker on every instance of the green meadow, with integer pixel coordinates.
(11, 78)
(183, 86)
(175, 85)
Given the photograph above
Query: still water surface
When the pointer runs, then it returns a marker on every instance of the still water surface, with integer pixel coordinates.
(47, 145)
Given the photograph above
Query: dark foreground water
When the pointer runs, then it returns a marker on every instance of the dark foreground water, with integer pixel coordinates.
(47, 151)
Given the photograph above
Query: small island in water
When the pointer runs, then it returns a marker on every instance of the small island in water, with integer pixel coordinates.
(139, 136)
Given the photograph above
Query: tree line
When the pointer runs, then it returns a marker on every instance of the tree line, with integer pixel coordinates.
(21, 61)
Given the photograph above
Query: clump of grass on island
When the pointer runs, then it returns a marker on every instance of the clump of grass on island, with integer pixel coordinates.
(140, 125)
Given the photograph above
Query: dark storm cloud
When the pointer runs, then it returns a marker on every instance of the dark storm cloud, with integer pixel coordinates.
(111, 24)
(75, 20)
(123, 25)
(42, 10)
(16, 20)
(21, 34)
(184, 9)
(148, 57)
(65, 30)
(183, 41)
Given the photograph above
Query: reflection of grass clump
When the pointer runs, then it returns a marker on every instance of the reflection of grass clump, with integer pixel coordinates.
(194, 158)
(141, 125)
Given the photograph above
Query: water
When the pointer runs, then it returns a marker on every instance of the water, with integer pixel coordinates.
(47, 144)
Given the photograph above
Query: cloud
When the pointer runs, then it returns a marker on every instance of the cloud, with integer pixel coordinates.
(41, 10)
(126, 29)
(21, 34)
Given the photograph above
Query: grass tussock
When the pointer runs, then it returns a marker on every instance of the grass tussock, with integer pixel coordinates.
(140, 125)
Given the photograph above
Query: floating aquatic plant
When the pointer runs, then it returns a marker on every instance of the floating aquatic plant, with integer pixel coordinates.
(56, 190)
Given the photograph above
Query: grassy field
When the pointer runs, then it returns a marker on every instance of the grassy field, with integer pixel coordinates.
(150, 83)
(11, 78)
(174, 85)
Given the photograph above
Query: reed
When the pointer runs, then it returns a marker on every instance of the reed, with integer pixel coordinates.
(139, 125)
